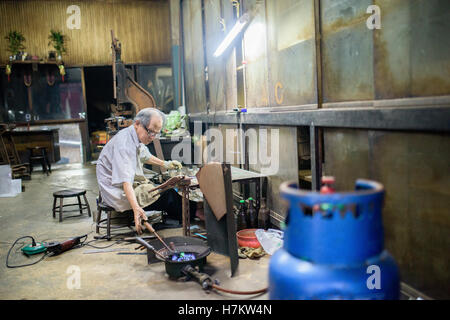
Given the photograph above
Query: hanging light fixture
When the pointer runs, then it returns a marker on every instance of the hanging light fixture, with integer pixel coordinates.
(237, 28)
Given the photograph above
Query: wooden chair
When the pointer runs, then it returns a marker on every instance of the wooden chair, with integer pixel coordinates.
(39, 154)
(9, 155)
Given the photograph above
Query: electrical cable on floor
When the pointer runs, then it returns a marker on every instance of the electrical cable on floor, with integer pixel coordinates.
(23, 265)
(96, 247)
(62, 238)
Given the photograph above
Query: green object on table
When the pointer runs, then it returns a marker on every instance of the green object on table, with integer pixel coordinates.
(173, 121)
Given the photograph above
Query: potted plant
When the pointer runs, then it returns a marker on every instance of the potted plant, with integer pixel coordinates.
(58, 40)
(15, 44)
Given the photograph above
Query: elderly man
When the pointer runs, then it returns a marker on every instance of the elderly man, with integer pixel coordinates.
(119, 160)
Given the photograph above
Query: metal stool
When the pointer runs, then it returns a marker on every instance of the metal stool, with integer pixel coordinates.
(70, 193)
(39, 154)
(100, 223)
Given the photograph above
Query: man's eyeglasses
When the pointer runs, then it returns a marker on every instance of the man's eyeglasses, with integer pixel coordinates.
(152, 133)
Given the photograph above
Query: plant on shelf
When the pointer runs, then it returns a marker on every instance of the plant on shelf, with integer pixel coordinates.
(58, 40)
(15, 44)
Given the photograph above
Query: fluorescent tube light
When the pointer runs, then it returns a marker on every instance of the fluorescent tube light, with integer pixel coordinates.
(237, 28)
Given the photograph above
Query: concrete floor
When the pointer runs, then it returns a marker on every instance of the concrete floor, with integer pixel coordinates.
(105, 275)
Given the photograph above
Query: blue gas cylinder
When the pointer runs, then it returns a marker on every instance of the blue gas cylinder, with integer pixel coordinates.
(334, 247)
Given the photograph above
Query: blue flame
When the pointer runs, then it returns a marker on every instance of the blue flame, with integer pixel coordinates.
(183, 257)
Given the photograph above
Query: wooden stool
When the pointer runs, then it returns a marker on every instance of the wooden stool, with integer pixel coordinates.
(39, 154)
(100, 223)
(70, 193)
(101, 207)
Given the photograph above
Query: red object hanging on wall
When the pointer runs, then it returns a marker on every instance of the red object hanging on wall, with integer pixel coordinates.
(8, 71)
(62, 71)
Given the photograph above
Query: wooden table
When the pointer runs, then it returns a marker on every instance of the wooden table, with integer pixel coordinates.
(33, 138)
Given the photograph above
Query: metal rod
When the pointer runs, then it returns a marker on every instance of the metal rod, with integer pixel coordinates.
(318, 53)
(316, 162)
(150, 228)
(149, 246)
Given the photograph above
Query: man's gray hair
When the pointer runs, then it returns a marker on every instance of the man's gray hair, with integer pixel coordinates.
(145, 115)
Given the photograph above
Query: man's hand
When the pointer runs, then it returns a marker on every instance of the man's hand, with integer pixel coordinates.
(139, 215)
(172, 164)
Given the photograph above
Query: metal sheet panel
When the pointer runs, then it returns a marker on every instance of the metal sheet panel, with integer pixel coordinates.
(230, 60)
(216, 68)
(408, 57)
(219, 19)
(291, 45)
(255, 55)
(187, 53)
(412, 49)
(194, 56)
(198, 54)
(347, 51)
(392, 59)
(430, 54)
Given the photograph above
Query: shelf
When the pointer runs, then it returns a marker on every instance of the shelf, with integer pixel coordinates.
(35, 62)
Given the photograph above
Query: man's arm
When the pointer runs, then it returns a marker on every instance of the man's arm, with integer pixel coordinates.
(172, 164)
(155, 161)
(139, 213)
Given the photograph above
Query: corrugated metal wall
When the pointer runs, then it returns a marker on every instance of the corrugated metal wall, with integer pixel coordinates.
(141, 26)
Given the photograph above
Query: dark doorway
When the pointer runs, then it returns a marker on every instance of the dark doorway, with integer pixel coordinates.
(99, 97)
